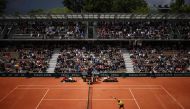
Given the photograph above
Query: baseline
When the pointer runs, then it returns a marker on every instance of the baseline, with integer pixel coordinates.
(8, 93)
(134, 98)
(42, 99)
(174, 99)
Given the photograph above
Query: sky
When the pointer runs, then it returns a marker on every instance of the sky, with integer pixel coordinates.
(23, 6)
(158, 2)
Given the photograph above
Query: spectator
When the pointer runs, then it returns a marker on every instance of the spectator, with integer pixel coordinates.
(90, 60)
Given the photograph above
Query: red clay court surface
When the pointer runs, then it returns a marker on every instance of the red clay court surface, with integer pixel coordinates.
(137, 93)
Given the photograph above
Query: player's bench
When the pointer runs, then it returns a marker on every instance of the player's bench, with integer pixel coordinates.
(110, 79)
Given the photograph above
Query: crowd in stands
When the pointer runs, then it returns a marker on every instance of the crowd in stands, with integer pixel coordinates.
(104, 29)
(24, 60)
(184, 29)
(141, 30)
(96, 59)
(161, 59)
(53, 29)
(1, 29)
(90, 59)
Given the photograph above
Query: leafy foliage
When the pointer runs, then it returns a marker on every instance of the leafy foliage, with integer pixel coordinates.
(142, 10)
(102, 5)
(185, 8)
(74, 5)
(123, 6)
(2, 5)
(60, 10)
(36, 11)
(180, 7)
(129, 6)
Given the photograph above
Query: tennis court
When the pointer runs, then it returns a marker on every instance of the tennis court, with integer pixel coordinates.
(136, 93)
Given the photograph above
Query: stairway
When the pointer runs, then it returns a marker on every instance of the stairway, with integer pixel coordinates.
(128, 61)
(53, 61)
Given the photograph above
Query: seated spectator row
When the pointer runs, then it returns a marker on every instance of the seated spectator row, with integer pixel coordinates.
(90, 59)
(160, 59)
(42, 29)
(96, 59)
(98, 29)
(24, 60)
(1, 29)
(134, 30)
(183, 28)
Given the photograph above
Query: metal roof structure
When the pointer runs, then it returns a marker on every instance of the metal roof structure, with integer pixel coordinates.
(97, 16)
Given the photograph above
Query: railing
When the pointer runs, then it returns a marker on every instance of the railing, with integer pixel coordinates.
(101, 74)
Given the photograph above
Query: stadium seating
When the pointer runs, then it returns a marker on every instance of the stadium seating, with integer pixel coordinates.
(124, 50)
(96, 59)
(46, 30)
(161, 59)
(24, 60)
(137, 30)
(104, 30)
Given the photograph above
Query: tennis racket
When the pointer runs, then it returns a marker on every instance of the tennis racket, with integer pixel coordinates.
(113, 97)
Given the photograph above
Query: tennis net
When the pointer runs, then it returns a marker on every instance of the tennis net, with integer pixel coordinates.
(89, 97)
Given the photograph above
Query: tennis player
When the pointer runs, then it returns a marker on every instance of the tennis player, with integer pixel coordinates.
(120, 103)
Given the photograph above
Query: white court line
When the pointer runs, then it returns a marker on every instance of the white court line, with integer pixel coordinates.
(47, 85)
(42, 99)
(84, 99)
(134, 98)
(55, 88)
(179, 104)
(161, 102)
(30, 88)
(94, 85)
(77, 88)
(8, 94)
(147, 88)
(94, 88)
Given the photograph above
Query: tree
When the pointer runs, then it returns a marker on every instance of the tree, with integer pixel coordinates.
(74, 5)
(2, 5)
(177, 6)
(119, 5)
(60, 10)
(36, 11)
(103, 6)
(185, 9)
(143, 10)
(127, 6)
(88, 5)
(124, 6)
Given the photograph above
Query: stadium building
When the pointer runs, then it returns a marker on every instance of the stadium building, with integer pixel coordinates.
(87, 51)
(108, 43)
